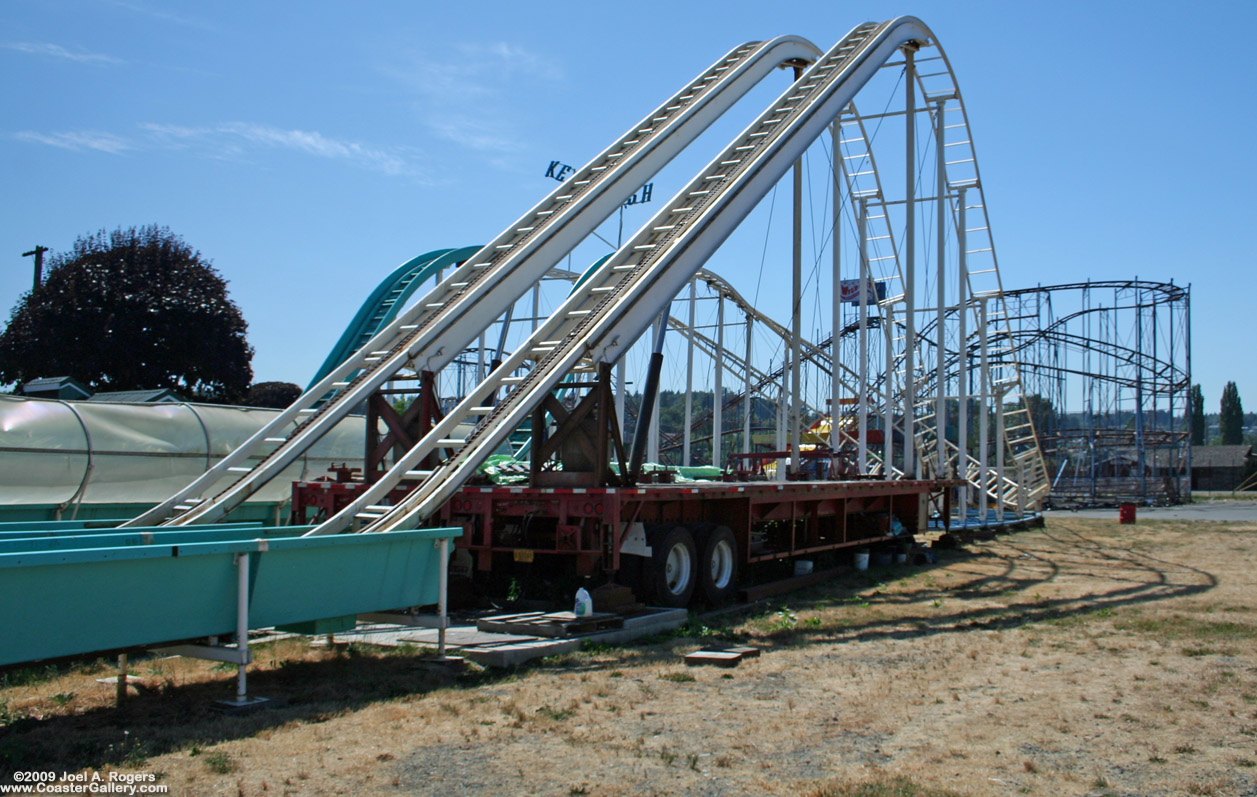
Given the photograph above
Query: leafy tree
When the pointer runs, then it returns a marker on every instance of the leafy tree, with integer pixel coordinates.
(1231, 416)
(1196, 414)
(132, 309)
(275, 395)
(1042, 413)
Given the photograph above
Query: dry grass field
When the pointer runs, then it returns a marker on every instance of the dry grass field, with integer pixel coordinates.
(1081, 658)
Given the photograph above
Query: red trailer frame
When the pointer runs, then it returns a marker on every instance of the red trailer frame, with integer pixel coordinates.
(814, 516)
(593, 526)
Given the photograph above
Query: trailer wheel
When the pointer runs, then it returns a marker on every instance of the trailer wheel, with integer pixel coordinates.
(675, 560)
(718, 565)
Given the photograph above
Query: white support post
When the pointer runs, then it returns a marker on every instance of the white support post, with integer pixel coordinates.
(911, 468)
(717, 401)
(536, 306)
(241, 655)
(984, 402)
(835, 388)
(796, 322)
(962, 360)
(862, 440)
(443, 588)
(748, 400)
(781, 428)
(940, 375)
(689, 380)
(888, 389)
(1000, 435)
(242, 625)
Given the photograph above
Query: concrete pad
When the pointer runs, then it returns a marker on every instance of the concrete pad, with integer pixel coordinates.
(507, 650)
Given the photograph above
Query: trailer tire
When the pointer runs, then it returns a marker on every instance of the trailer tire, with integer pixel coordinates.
(675, 566)
(718, 565)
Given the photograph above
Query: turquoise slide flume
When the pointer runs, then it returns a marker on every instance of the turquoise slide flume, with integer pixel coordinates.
(88, 599)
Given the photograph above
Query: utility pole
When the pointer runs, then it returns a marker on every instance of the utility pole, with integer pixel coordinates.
(38, 253)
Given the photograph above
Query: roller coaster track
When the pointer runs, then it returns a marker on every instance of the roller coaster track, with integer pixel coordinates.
(438, 328)
(387, 301)
(997, 489)
(606, 314)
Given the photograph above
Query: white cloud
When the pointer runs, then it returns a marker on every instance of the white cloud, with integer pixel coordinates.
(512, 58)
(234, 140)
(79, 141)
(469, 98)
(314, 143)
(57, 51)
(163, 15)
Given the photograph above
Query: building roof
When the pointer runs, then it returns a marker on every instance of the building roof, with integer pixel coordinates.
(1220, 456)
(62, 387)
(138, 396)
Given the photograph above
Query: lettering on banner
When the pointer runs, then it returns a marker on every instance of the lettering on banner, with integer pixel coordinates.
(641, 196)
(558, 170)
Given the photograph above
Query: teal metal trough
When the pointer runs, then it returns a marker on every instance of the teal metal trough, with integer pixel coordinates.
(113, 590)
(66, 529)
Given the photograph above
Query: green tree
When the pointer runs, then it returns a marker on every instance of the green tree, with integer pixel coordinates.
(275, 395)
(1196, 414)
(1042, 413)
(132, 309)
(1231, 416)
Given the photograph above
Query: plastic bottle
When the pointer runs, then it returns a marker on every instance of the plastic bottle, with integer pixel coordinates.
(584, 603)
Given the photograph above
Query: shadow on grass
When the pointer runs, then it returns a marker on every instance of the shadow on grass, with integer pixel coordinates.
(169, 718)
(1129, 577)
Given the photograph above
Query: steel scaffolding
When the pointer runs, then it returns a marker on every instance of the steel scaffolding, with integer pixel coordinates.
(1106, 367)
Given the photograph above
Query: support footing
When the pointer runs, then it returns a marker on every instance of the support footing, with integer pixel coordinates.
(454, 665)
(246, 706)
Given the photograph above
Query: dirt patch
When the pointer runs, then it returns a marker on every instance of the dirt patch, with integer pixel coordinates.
(1082, 658)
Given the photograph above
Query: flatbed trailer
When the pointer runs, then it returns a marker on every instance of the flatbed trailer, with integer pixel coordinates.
(672, 543)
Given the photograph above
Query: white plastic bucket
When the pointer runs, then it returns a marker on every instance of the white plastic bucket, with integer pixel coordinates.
(861, 560)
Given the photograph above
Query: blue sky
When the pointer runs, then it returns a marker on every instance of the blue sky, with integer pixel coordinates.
(308, 149)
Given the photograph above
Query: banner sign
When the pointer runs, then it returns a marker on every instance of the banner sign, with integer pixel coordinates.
(850, 291)
(558, 170)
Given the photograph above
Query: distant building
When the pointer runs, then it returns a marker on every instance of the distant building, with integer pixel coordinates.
(1219, 467)
(164, 395)
(56, 387)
